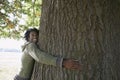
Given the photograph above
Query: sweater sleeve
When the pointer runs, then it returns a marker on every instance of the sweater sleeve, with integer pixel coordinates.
(43, 57)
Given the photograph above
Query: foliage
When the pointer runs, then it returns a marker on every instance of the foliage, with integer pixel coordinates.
(18, 15)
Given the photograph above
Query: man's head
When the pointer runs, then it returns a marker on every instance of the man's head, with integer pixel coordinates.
(31, 35)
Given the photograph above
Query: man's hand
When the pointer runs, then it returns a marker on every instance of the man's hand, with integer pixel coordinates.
(71, 64)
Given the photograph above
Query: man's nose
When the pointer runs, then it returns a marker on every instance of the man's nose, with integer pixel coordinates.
(34, 36)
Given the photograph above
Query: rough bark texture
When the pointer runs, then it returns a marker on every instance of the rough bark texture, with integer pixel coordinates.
(87, 30)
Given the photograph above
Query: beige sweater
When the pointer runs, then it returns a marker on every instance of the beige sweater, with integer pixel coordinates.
(32, 53)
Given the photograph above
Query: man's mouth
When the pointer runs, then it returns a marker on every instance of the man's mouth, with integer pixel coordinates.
(35, 39)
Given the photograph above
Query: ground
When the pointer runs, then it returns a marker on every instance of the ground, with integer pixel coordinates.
(9, 65)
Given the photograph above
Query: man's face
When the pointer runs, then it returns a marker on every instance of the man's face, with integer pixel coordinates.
(33, 37)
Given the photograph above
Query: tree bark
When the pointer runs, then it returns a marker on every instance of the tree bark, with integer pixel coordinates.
(87, 30)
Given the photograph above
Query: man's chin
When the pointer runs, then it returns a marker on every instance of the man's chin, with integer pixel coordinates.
(35, 41)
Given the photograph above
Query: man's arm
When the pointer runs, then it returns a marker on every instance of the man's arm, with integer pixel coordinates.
(45, 58)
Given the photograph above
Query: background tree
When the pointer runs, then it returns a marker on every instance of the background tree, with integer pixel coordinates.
(87, 30)
(18, 15)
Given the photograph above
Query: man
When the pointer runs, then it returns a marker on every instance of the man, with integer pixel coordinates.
(32, 53)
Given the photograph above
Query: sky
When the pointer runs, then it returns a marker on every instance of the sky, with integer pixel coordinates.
(11, 43)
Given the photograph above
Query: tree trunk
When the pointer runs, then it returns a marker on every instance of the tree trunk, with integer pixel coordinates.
(87, 30)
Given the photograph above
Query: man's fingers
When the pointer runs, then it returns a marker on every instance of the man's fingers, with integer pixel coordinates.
(76, 65)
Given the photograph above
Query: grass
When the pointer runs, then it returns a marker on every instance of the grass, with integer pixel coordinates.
(9, 65)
